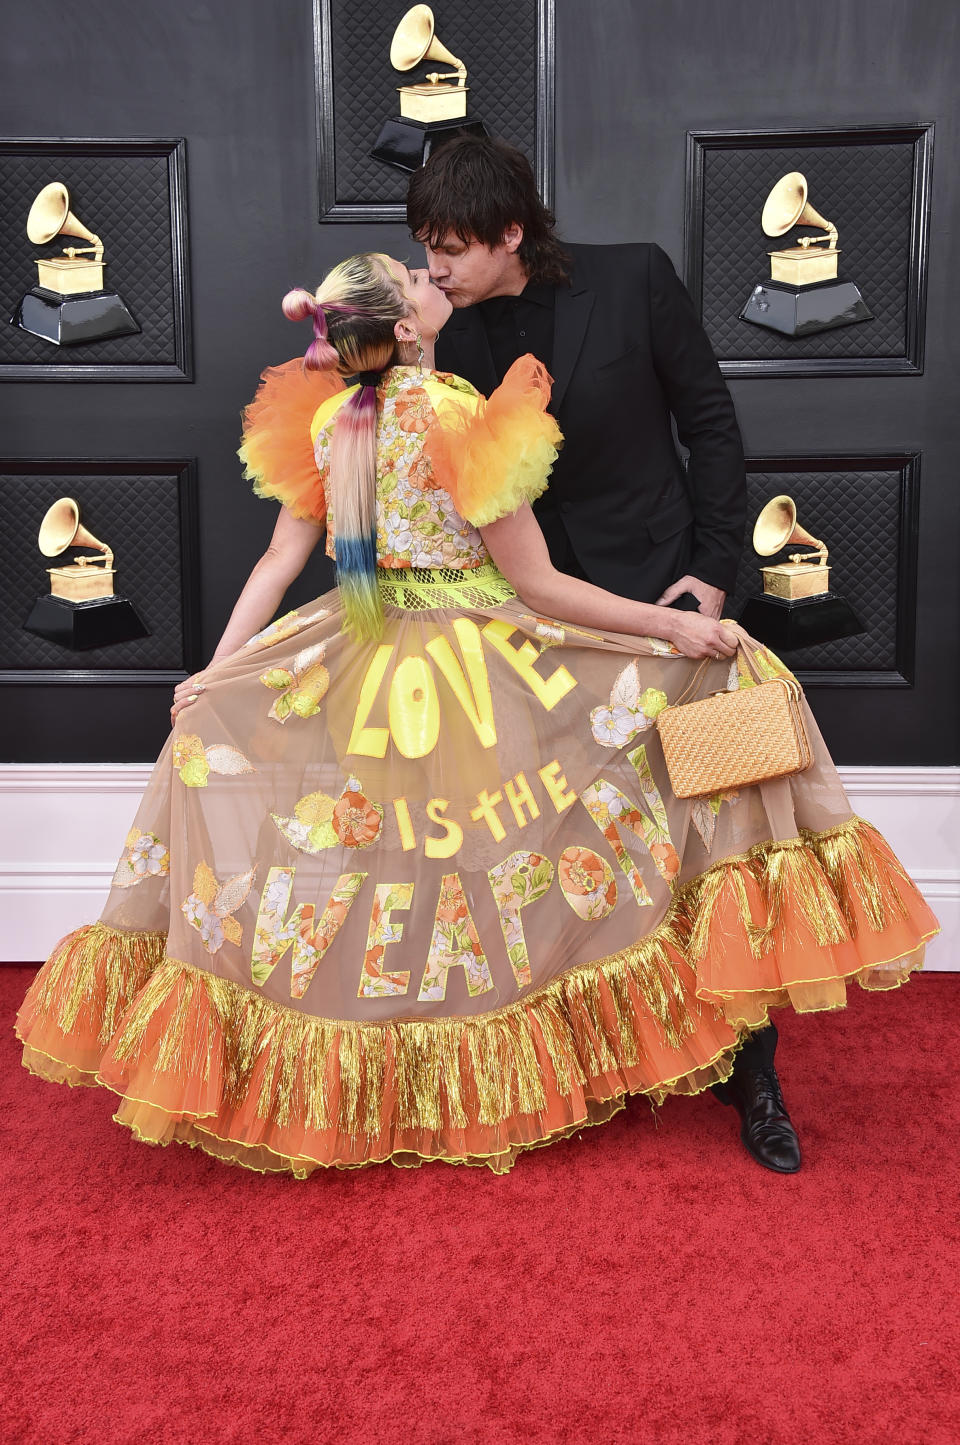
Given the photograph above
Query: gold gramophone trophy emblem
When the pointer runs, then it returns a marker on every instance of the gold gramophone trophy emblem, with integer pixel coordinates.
(797, 608)
(431, 110)
(82, 609)
(804, 294)
(69, 304)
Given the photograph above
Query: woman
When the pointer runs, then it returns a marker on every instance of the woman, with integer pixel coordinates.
(409, 881)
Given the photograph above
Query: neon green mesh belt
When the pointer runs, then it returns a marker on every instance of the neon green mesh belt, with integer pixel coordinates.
(417, 589)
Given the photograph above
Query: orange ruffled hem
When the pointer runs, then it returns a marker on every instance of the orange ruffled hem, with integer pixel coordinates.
(277, 451)
(205, 1061)
(495, 457)
(795, 922)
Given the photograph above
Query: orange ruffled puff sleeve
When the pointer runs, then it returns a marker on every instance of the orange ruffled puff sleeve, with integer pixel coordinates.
(493, 455)
(277, 449)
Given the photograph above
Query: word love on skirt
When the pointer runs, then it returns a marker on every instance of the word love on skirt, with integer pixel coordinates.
(430, 897)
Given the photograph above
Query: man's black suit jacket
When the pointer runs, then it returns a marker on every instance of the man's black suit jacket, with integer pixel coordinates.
(629, 352)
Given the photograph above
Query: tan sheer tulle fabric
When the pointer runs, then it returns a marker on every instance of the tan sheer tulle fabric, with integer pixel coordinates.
(431, 896)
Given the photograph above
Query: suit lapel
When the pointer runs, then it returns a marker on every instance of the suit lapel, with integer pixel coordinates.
(466, 350)
(571, 315)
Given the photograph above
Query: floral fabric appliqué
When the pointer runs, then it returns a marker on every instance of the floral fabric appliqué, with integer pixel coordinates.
(276, 930)
(194, 762)
(211, 906)
(631, 710)
(310, 829)
(145, 856)
(302, 686)
(587, 883)
(286, 626)
(356, 820)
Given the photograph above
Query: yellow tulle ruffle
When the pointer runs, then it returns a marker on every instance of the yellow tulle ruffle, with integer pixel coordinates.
(494, 455)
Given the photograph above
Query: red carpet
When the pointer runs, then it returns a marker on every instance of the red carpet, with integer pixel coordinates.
(644, 1283)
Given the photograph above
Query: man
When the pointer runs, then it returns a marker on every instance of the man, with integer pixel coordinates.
(619, 334)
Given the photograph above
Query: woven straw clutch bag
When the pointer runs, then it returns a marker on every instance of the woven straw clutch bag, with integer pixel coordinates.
(733, 739)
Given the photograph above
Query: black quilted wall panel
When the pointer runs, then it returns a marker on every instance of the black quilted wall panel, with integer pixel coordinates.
(131, 200)
(146, 518)
(239, 80)
(867, 189)
(865, 515)
(498, 44)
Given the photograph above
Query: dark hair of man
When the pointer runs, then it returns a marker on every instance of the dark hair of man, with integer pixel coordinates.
(474, 187)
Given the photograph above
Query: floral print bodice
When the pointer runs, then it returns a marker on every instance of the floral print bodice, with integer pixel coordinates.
(418, 524)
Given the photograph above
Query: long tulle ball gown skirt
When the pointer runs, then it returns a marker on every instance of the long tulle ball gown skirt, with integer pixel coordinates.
(431, 897)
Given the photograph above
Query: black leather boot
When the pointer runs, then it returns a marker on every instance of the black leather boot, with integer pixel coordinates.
(754, 1090)
(767, 1132)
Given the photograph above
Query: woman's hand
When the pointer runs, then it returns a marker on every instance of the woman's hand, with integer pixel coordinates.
(185, 693)
(699, 636)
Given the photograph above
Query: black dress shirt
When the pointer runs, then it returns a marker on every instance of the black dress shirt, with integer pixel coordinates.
(518, 324)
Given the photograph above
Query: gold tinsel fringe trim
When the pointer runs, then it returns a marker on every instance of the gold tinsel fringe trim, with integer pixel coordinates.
(212, 1044)
(848, 863)
(441, 1074)
(816, 872)
(96, 971)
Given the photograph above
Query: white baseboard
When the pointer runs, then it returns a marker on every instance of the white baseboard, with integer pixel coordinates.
(55, 814)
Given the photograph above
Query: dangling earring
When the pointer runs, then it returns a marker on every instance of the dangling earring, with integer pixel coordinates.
(419, 353)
